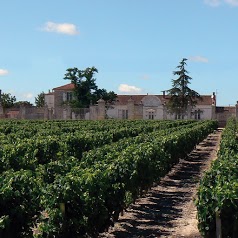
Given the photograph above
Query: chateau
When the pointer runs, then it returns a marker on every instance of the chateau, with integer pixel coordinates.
(131, 107)
(125, 107)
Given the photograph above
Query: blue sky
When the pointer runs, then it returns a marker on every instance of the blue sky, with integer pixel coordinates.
(135, 45)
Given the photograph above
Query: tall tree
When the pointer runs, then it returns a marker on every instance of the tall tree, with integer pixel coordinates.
(182, 98)
(7, 100)
(40, 100)
(86, 91)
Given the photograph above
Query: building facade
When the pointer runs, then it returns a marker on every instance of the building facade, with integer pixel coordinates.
(147, 107)
(125, 107)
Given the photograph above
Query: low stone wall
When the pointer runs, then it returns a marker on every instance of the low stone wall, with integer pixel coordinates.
(34, 113)
(30, 113)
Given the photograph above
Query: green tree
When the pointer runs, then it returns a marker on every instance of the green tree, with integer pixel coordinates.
(40, 100)
(7, 100)
(182, 98)
(107, 96)
(22, 103)
(86, 91)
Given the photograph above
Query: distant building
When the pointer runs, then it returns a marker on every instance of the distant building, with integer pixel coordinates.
(127, 106)
(148, 107)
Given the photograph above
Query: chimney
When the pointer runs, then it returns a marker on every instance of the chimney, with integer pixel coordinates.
(214, 98)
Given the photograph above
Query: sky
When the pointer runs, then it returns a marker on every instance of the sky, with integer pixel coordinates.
(136, 45)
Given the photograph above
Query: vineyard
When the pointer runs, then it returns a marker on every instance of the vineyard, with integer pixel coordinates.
(74, 178)
(217, 202)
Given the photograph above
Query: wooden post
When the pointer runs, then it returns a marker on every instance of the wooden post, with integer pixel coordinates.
(218, 225)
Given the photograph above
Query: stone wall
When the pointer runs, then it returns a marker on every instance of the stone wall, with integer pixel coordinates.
(150, 105)
(29, 113)
(59, 111)
(138, 112)
(224, 113)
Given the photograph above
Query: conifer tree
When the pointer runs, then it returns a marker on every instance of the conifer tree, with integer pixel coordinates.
(182, 98)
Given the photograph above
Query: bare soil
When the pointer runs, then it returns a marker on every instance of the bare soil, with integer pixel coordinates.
(168, 209)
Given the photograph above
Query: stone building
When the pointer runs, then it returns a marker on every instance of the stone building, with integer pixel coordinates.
(125, 107)
(57, 103)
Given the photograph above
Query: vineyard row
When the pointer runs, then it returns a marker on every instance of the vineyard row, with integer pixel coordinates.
(64, 195)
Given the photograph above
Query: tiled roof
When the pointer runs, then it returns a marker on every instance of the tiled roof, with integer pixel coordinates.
(69, 86)
(123, 99)
(230, 109)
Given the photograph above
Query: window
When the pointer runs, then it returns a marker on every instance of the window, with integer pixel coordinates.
(197, 114)
(151, 115)
(122, 114)
(67, 96)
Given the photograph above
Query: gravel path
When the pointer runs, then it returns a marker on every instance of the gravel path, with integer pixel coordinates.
(168, 210)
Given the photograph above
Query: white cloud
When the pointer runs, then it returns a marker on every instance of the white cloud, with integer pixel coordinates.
(3, 72)
(213, 3)
(125, 88)
(216, 3)
(232, 2)
(198, 59)
(63, 28)
(27, 95)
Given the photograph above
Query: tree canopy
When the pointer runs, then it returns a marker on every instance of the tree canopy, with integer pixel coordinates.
(182, 98)
(86, 91)
(40, 100)
(7, 100)
(22, 103)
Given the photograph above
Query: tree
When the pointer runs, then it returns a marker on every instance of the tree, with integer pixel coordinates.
(22, 103)
(182, 98)
(7, 100)
(107, 96)
(86, 91)
(40, 100)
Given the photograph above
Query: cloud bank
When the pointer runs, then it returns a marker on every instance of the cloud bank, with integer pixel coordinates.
(216, 3)
(213, 3)
(125, 88)
(232, 2)
(27, 95)
(62, 28)
(198, 59)
(3, 72)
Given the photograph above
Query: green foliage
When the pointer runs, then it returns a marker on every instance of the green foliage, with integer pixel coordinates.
(75, 177)
(19, 202)
(218, 190)
(22, 103)
(109, 97)
(7, 100)
(86, 91)
(182, 98)
(40, 100)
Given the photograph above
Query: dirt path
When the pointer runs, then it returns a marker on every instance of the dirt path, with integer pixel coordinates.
(168, 210)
